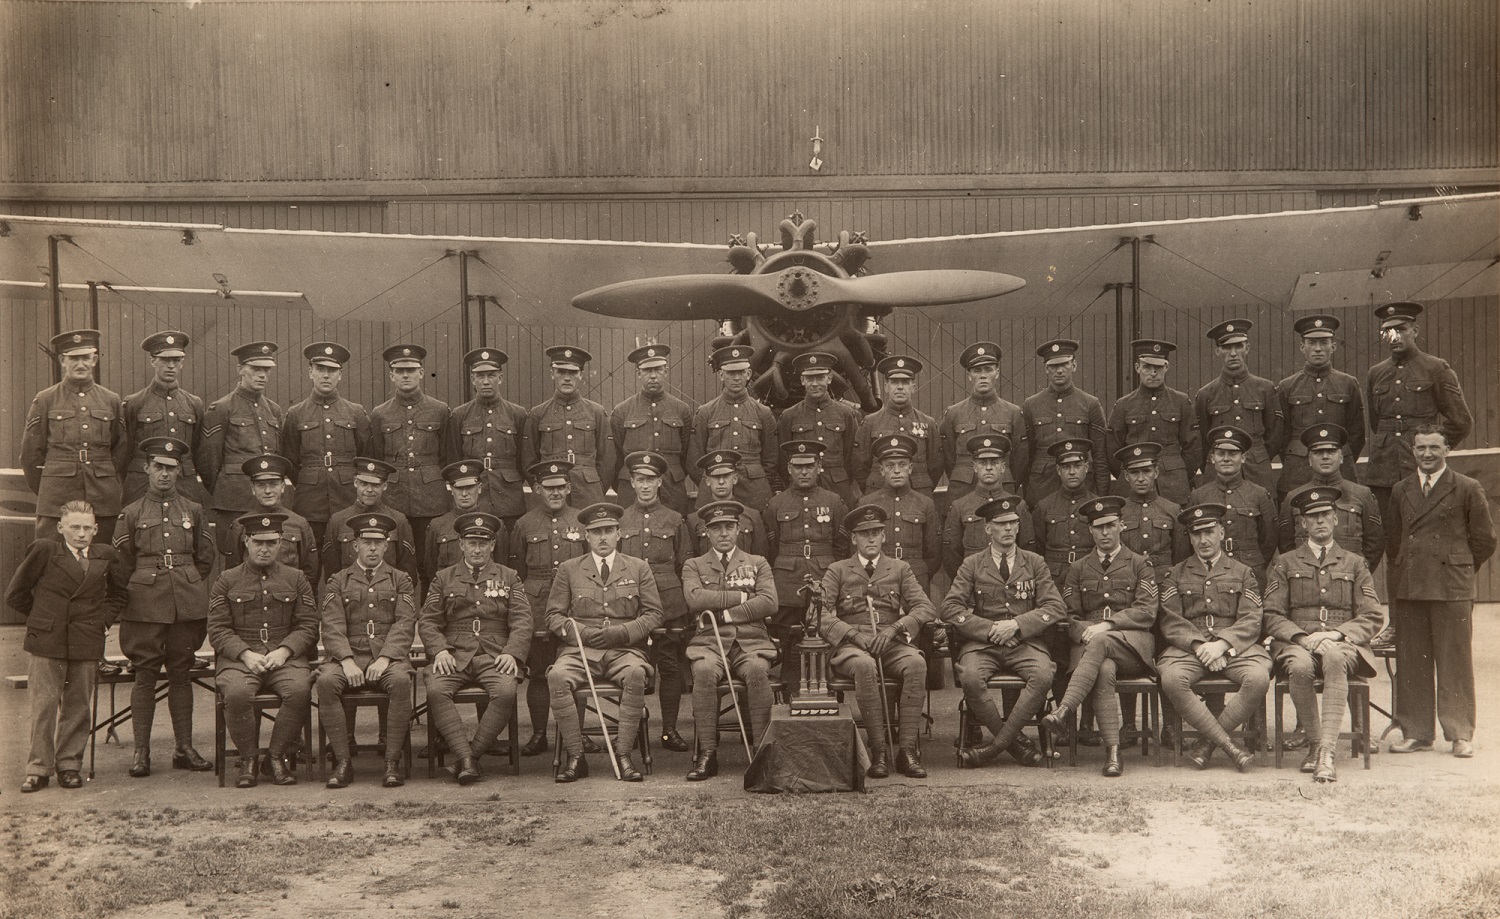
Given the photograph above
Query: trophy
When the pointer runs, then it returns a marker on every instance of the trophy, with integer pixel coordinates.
(813, 697)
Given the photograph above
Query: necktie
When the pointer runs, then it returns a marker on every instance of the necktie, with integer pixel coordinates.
(475, 572)
(1426, 485)
(1005, 568)
(724, 561)
(1322, 554)
(870, 569)
(604, 571)
(78, 554)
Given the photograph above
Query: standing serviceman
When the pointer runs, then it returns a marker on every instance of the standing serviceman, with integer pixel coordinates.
(164, 542)
(406, 431)
(912, 532)
(1062, 411)
(900, 415)
(299, 548)
(75, 445)
(1249, 521)
(719, 473)
(963, 528)
(1317, 396)
(491, 430)
(165, 409)
(655, 420)
(1156, 413)
(322, 435)
(1358, 527)
(1148, 521)
(571, 428)
(1241, 399)
(371, 478)
(734, 420)
(983, 412)
(443, 548)
(243, 424)
(819, 417)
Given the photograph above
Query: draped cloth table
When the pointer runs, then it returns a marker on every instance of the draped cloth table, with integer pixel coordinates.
(808, 753)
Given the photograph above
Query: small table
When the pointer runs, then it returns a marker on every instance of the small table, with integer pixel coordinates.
(808, 753)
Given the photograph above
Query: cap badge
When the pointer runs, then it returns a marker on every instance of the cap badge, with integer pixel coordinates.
(264, 464)
(1055, 347)
(900, 362)
(484, 355)
(1098, 506)
(372, 522)
(802, 448)
(1318, 323)
(1322, 433)
(552, 468)
(327, 350)
(1313, 496)
(568, 352)
(1156, 348)
(171, 447)
(895, 442)
(406, 352)
(1229, 327)
(1137, 451)
(78, 338)
(370, 467)
(265, 349)
(265, 521)
(651, 352)
(171, 340)
(978, 350)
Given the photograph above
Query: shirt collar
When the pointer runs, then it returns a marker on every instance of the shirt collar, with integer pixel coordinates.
(1432, 477)
(609, 560)
(1211, 563)
(1010, 558)
(1314, 547)
(162, 389)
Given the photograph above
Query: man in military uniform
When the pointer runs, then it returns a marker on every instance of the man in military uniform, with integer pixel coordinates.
(1062, 536)
(983, 412)
(964, 530)
(658, 534)
(602, 607)
(912, 533)
(719, 473)
(899, 415)
(1062, 411)
(879, 608)
(1239, 398)
(735, 420)
(1001, 601)
(243, 424)
(1148, 521)
(803, 529)
(443, 546)
(655, 420)
(542, 540)
(491, 430)
(476, 628)
(1210, 622)
(819, 417)
(371, 478)
(322, 435)
(75, 445)
(571, 428)
(1250, 522)
(1156, 413)
(369, 620)
(1358, 528)
(731, 594)
(1315, 396)
(299, 547)
(263, 624)
(1408, 389)
(163, 541)
(1440, 532)
(1111, 599)
(407, 432)
(1320, 613)
(165, 409)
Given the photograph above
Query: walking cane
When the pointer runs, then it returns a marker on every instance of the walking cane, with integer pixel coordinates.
(885, 706)
(729, 678)
(609, 745)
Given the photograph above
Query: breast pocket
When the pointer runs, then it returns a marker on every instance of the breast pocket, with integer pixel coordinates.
(974, 535)
(1420, 396)
(789, 524)
(385, 607)
(150, 416)
(1302, 590)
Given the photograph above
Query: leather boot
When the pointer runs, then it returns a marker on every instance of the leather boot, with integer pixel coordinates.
(705, 766)
(247, 777)
(186, 757)
(589, 746)
(281, 770)
(467, 771)
(1025, 752)
(1113, 768)
(673, 741)
(1059, 721)
(574, 769)
(974, 757)
(1200, 753)
(1309, 762)
(393, 774)
(140, 764)
(1327, 771)
(628, 772)
(536, 743)
(342, 775)
(1240, 757)
(879, 768)
(909, 763)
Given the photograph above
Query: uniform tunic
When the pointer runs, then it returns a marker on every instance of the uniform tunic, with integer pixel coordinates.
(1251, 404)
(1162, 416)
(629, 601)
(711, 589)
(235, 428)
(322, 437)
(835, 425)
(443, 546)
(164, 541)
(926, 465)
(1304, 596)
(160, 411)
(751, 538)
(298, 548)
(893, 597)
(1421, 389)
(74, 447)
(660, 536)
(494, 434)
(748, 428)
(408, 434)
(964, 533)
(805, 536)
(963, 420)
(1124, 594)
(369, 614)
(1311, 398)
(576, 430)
(912, 533)
(540, 542)
(1250, 525)
(1053, 416)
(664, 426)
(476, 619)
(1200, 604)
(339, 552)
(1151, 529)
(1062, 535)
(1359, 528)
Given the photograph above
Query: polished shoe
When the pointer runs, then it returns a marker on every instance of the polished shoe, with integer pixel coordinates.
(704, 767)
(1297, 740)
(247, 777)
(1090, 738)
(1129, 736)
(974, 757)
(1240, 757)
(628, 772)
(1327, 771)
(394, 776)
(973, 735)
(1310, 762)
(574, 769)
(140, 764)
(909, 763)
(1200, 753)
(343, 774)
(281, 770)
(1411, 745)
(34, 783)
(1463, 749)
(671, 740)
(1113, 768)
(1384, 639)
(188, 758)
(879, 768)
(589, 746)
(1059, 721)
(536, 743)
(69, 778)
(1026, 753)
(467, 771)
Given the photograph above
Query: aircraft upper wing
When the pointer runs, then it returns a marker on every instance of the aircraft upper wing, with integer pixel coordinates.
(1405, 249)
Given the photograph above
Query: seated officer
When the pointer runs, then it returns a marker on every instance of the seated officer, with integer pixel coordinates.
(602, 607)
(299, 545)
(719, 477)
(731, 594)
(263, 625)
(870, 633)
(442, 546)
(1321, 612)
(1001, 602)
(369, 621)
(476, 627)
(1111, 599)
(913, 533)
(1211, 620)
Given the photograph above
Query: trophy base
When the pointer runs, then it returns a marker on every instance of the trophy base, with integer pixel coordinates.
(826, 706)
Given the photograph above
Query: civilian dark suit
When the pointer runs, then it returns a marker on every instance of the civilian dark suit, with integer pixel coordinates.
(1435, 543)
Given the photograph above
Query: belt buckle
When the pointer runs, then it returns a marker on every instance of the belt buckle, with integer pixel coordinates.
(1210, 618)
(265, 631)
(486, 464)
(1229, 545)
(477, 626)
(1108, 613)
(1072, 556)
(328, 460)
(1323, 614)
(167, 563)
(897, 552)
(807, 550)
(83, 454)
(570, 456)
(370, 628)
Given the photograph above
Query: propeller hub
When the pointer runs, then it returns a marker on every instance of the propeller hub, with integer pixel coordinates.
(797, 289)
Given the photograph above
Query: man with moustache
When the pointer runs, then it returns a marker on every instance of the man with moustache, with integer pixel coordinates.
(1155, 413)
(466, 489)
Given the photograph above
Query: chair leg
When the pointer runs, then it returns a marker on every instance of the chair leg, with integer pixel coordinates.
(219, 728)
(432, 750)
(1279, 690)
(513, 734)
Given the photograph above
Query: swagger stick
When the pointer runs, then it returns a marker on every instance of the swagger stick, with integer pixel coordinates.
(729, 678)
(609, 744)
(885, 706)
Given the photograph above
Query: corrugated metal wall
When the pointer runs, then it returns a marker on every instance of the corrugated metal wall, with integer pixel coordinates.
(434, 91)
